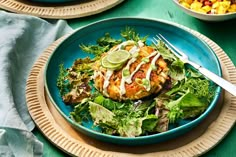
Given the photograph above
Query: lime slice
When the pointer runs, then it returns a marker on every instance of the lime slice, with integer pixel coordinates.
(118, 57)
(109, 65)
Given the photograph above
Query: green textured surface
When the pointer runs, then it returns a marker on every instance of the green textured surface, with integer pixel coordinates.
(223, 33)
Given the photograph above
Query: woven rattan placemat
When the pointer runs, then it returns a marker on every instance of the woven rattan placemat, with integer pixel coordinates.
(79, 8)
(194, 143)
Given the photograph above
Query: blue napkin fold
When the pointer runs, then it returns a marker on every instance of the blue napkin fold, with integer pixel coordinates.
(22, 39)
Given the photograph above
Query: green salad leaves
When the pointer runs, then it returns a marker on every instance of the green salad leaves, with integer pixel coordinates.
(187, 98)
(127, 119)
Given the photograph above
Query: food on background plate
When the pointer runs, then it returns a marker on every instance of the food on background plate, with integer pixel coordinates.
(210, 6)
(131, 88)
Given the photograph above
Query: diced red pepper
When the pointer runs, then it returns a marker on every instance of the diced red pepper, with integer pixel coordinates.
(209, 3)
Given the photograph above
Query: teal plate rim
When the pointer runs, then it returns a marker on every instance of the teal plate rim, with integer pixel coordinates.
(126, 140)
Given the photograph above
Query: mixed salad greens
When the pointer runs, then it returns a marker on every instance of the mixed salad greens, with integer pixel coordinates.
(186, 95)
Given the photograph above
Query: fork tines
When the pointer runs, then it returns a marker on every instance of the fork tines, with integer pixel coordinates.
(174, 50)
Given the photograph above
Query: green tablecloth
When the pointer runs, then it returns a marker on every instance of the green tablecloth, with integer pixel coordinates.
(223, 33)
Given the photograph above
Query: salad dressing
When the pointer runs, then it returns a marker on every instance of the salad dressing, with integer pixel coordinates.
(139, 66)
(128, 79)
(152, 66)
(96, 74)
(125, 78)
(140, 43)
(106, 81)
(134, 50)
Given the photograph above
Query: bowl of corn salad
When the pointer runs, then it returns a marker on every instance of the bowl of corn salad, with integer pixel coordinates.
(208, 10)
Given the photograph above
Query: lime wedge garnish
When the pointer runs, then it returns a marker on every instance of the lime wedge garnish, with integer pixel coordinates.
(118, 57)
(109, 65)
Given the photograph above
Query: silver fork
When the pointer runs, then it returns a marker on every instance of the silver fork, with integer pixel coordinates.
(228, 86)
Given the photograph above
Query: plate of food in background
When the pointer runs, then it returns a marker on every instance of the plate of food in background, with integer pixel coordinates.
(208, 10)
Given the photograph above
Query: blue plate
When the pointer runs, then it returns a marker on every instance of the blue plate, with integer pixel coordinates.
(68, 51)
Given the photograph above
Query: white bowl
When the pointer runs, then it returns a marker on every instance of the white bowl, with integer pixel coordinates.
(206, 17)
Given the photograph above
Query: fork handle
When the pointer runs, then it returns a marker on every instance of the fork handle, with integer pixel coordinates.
(231, 88)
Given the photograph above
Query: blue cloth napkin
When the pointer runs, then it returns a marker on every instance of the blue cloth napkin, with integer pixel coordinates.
(22, 39)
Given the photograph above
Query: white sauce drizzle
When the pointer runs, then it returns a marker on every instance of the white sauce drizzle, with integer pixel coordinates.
(106, 81)
(128, 79)
(123, 79)
(96, 74)
(134, 49)
(140, 43)
(122, 87)
(148, 74)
